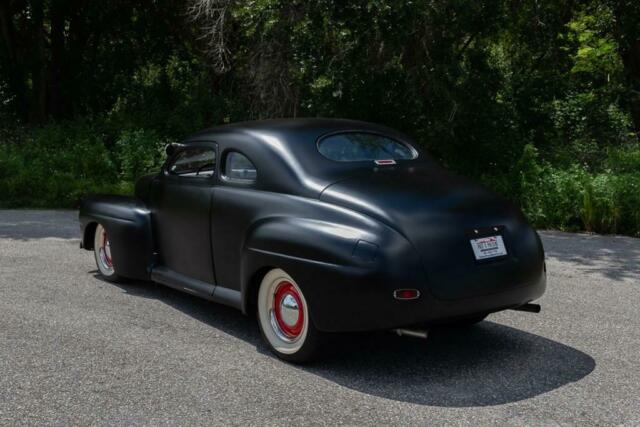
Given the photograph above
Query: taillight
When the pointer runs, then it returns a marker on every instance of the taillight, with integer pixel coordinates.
(406, 294)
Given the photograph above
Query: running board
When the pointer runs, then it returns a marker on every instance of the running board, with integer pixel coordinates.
(208, 291)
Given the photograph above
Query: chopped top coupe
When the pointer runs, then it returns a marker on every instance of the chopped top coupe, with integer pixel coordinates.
(319, 226)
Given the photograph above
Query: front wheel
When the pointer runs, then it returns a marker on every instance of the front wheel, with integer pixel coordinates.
(283, 316)
(102, 253)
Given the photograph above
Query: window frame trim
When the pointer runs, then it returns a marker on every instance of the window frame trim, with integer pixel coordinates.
(407, 144)
(209, 145)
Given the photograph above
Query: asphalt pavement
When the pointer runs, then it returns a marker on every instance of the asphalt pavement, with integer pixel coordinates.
(76, 350)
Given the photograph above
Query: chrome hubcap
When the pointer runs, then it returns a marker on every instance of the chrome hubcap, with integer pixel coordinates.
(102, 248)
(105, 251)
(289, 310)
(286, 312)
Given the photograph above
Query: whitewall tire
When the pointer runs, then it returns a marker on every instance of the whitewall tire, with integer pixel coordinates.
(283, 316)
(102, 253)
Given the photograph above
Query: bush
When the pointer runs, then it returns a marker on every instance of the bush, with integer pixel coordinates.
(55, 165)
(139, 152)
(573, 198)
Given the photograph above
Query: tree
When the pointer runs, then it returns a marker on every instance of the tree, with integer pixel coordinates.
(67, 58)
(627, 32)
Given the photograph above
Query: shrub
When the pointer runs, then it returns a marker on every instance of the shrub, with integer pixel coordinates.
(139, 152)
(55, 165)
(572, 198)
(529, 176)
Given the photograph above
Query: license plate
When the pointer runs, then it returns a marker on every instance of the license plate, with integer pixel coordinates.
(488, 247)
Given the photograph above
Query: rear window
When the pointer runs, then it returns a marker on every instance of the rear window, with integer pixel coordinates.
(361, 146)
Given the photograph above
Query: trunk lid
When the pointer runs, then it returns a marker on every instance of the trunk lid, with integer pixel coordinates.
(439, 213)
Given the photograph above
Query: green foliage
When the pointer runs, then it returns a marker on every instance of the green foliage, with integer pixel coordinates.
(530, 176)
(575, 199)
(172, 98)
(597, 50)
(539, 100)
(55, 165)
(139, 152)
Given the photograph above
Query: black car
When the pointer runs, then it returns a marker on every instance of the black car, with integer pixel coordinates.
(318, 226)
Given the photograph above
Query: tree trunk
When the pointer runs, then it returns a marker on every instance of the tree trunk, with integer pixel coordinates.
(15, 72)
(56, 83)
(38, 111)
(76, 42)
(627, 32)
(631, 61)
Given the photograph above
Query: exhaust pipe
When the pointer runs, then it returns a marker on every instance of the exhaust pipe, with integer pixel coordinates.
(415, 333)
(530, 308)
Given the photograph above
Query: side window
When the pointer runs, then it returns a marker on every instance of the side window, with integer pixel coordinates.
(238, 167)
(194, 162)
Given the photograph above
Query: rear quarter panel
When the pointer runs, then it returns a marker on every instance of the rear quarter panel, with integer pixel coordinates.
(316, 243)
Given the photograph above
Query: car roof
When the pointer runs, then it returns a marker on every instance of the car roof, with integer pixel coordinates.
(285, 150)
(292, 127)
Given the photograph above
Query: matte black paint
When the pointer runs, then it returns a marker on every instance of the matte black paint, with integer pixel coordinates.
(349, 233)
(128, 224)
(182, 215)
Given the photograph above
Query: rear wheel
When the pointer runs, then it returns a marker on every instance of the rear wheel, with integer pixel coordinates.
(102, 252)
(283, 316)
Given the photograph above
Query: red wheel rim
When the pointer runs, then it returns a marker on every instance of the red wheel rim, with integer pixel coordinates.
(285, 299)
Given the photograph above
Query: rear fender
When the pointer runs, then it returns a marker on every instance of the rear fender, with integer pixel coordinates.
(288, 241)
(339, 267)
(128, 224)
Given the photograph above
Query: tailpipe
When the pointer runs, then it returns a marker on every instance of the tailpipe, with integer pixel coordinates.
(530, 308)
(415, 333)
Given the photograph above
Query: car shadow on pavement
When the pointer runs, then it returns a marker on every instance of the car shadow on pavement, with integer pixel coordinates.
(486, 364)
(482, 365)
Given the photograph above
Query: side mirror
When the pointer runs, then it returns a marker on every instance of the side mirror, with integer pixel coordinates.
(170, 149)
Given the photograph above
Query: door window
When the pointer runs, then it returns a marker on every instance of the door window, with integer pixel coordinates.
(194, 162)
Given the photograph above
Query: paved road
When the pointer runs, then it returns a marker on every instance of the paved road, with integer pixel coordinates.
(77, 350)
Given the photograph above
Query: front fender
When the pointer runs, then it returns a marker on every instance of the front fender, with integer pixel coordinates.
(128, 224)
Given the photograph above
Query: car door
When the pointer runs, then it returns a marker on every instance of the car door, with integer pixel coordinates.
(236, 205)
(181, 201)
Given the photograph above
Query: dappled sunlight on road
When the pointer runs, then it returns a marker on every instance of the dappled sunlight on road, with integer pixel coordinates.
(615, 257)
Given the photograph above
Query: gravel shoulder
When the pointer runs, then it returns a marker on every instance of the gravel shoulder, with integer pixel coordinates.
(75, 350)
